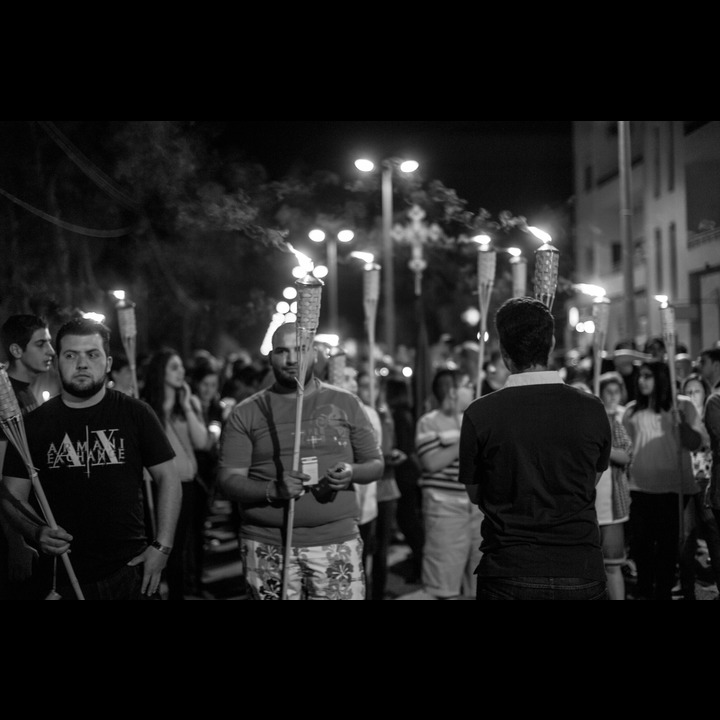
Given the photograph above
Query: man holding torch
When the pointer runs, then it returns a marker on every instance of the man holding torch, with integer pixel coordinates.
(30, 355)
(531, 455)
(88, 447)
(338, 450)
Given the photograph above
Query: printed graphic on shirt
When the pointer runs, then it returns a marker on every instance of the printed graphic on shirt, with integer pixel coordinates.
(328, 427)
(98, 449)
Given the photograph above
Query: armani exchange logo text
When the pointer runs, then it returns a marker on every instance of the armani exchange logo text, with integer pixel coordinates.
(100, 447)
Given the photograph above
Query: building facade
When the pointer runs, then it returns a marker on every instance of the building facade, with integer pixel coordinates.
(672, 194)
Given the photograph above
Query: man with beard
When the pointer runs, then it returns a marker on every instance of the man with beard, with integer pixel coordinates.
(338, 450)
(89, 446)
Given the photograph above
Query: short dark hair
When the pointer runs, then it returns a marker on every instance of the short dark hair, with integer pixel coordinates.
(19, 329)
(526, 329)
(444, 380)
(84, 327)
(712, 354)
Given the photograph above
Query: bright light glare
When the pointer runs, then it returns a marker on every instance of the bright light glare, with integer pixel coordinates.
(282, 308)
(407, 372)
(290, 293)
(346, 236)
(299, 272)
(119, 294)
(96, 317)
(365, 165)
(471, 316)
(321, 272)
(409, 166)
(483, 240)
(515, 252)
(593, 290)
(317, 236)
(46, 394)
(367, 258)
(293, 308)
(540, 234)
(331, 340)
(663, 300)
(590, 327)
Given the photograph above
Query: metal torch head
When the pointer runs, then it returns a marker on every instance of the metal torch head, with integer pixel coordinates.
(309, 301)
(127, 322)
(9, 406)
(668, 325)
(487, 266)
(547, 268)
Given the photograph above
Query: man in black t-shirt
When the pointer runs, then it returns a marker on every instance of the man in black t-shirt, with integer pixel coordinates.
(531, 454)
(89, 446)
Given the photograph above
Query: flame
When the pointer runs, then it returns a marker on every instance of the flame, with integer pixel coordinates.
(367, 258)
(304, 262)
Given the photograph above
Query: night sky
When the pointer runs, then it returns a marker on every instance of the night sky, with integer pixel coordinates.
(520, 166)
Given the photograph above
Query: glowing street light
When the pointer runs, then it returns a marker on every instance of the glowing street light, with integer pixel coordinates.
(388, 165)
(344, 236)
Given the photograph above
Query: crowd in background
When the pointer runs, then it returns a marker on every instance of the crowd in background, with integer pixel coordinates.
(418, 501)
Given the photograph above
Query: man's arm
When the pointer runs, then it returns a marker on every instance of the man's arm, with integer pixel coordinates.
(14, 497)
(169, 500)
(238, 487)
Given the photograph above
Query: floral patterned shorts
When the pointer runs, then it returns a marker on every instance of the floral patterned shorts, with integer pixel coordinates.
(330, 572)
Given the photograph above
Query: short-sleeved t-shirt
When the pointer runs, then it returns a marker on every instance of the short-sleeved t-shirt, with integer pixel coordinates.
(90, 465)
(260, 435)
(535, 452)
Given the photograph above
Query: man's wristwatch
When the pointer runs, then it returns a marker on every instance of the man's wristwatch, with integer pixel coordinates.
(164, 549)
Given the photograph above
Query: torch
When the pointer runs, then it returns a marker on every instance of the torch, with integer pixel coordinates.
(547, 265)
(13, 424)
(308, 317)
(601, 318)
(127, 326)
(487, 268)
(667, 312)
(371, 297)
(518, 264)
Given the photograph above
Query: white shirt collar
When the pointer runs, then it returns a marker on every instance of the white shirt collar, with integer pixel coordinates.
(550, 377)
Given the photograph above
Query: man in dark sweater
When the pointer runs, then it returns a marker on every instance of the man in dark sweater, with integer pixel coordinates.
(531, 455)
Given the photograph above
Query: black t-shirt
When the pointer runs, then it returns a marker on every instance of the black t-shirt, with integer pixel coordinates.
(534, 452)
(90, 465)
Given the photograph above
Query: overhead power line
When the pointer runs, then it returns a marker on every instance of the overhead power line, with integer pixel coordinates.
(87, 166)
(67, 226)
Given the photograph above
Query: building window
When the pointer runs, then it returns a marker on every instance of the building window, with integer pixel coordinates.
(658, 262)
(673, 261)
(671, 155)
(656, 161)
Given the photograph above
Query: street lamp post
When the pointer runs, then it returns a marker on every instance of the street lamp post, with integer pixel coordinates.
(388, 165)
(331, 240)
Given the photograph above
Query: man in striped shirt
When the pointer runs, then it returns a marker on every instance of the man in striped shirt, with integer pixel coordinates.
(452, 523)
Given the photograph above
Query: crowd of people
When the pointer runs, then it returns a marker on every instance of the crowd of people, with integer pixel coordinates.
(533, 488)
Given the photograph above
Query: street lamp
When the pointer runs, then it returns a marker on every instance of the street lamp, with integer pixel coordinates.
(388, 165)
(344, 236)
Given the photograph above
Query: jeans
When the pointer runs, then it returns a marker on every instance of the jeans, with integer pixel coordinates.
(522, 588)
